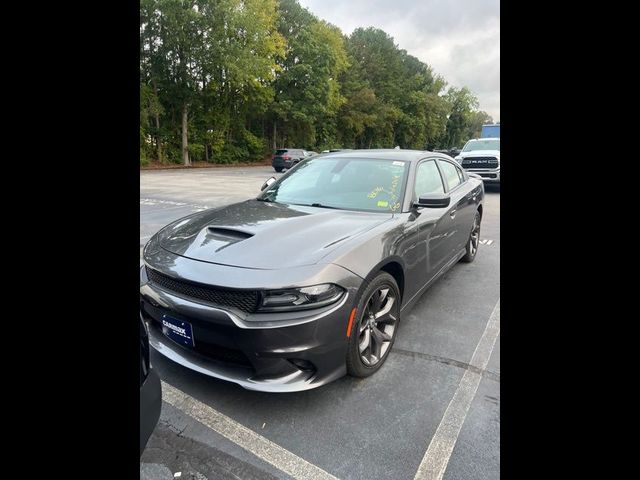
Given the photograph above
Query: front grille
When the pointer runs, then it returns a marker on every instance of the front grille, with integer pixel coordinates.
(480, 162)
(244, 300)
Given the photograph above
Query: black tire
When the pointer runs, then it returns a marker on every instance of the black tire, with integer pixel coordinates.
(474, 240)
(278, 169)
(386, 324)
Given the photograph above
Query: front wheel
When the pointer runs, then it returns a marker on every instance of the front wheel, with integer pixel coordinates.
(278, 169)
(474, 240)
(375, 325)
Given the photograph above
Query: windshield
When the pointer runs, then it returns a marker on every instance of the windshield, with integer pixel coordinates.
(344, 183)
(488, 144)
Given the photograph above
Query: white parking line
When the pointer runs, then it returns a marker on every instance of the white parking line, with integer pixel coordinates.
(153, 201)
(435, 460)
(261, 447)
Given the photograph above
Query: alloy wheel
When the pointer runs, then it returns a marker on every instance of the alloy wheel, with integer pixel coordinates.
(377, 325)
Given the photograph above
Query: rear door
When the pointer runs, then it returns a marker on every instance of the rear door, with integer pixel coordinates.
(461, 210)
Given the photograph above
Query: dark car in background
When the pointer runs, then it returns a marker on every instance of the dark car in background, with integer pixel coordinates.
(150, 390)
(287, 157)
(452, 152)
(308, 281)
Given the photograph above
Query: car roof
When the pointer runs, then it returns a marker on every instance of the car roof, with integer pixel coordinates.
(385, 154)
(486, 138)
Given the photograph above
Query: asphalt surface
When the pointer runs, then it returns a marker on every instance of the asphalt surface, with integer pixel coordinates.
(378, 427)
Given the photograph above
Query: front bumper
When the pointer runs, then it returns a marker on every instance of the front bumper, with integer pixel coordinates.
(284, 352)
(489, 175)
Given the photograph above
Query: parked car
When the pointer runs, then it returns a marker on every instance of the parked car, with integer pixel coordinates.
(482, 157)
(150, 390)
(287, 158)
(309, 281)
(452, 152)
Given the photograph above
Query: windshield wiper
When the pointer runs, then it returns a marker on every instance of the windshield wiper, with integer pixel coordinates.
(264, 200)
(319, 205)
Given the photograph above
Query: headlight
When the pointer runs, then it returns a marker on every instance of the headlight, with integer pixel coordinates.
(300, 298)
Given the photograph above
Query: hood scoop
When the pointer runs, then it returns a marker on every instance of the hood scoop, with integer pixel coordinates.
(222, 237)
(226, 234)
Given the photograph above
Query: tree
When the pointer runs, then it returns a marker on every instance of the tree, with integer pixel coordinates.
(462, 103)
(205, 59)
(307, 90)
(223, 80)
(478, 119)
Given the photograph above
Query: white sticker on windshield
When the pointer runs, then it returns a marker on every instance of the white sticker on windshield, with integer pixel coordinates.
(398, 163)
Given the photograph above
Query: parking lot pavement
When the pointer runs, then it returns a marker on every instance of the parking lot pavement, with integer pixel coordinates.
(426, 406)
(166, 195)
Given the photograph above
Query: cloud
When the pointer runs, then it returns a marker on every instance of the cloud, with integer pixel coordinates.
(460, 39)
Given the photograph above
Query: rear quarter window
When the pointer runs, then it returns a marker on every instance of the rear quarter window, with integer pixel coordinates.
(450, 173)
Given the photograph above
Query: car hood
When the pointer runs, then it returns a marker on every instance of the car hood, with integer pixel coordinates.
(262, 235)
(480, 153)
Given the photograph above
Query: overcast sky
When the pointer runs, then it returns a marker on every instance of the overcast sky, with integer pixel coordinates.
(460, 39)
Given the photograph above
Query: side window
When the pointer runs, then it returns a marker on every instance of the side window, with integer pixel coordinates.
(450, 173)
(428, 179)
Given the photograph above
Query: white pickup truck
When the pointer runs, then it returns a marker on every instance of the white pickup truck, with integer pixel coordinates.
(482, 157)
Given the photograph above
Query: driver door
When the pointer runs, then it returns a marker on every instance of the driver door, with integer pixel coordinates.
(436, 223)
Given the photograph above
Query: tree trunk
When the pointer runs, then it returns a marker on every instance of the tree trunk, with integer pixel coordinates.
(206, 153)
(157, 117)
(274, 135)
(185, 138)
(158, 142)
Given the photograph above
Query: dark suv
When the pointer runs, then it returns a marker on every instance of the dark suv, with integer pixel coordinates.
(287, 158)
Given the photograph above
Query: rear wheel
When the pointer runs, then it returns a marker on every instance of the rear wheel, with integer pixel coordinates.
(374, 329)
(474, 240)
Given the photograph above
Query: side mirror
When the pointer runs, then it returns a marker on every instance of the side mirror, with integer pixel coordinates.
(268, 183)
(433, 200)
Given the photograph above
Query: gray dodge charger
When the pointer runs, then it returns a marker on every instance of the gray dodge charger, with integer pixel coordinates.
(309, 281)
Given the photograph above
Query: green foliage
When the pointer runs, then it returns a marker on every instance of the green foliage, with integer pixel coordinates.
(144, 161)
(258, 74)
(196, 151)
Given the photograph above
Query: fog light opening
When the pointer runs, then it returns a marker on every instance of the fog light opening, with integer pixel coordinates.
(304, 365)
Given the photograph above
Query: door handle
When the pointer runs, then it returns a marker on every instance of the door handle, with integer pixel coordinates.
(452, 213)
